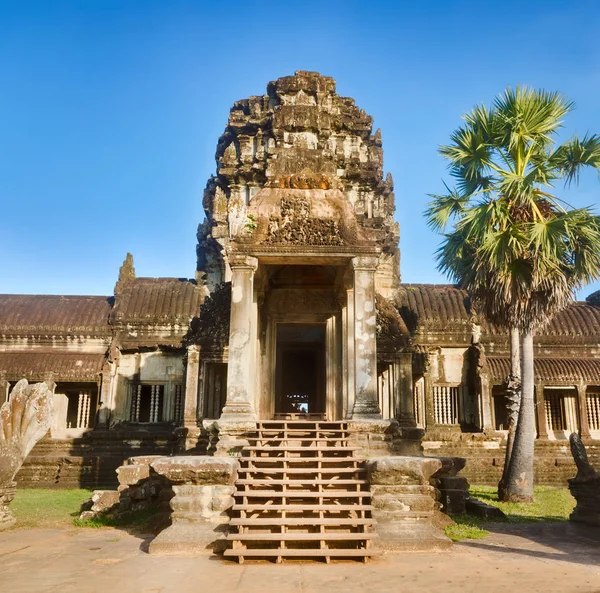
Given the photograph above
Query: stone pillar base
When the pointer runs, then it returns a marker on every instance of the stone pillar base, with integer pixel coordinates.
(405, 504)
(203, 490)
(228, 437)
(385, 437)
(7, 493)
(454, 489)
(192, 539)
(192, 438)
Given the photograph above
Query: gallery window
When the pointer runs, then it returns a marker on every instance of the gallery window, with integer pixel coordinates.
(592, 405)
(147, 403)
(446, 400)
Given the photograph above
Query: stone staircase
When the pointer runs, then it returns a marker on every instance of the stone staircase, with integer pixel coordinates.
(301, 493)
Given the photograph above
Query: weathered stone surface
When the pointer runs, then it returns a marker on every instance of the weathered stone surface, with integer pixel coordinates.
(24, 420)
(142, 459)
(132, 473)
(7, 493)
(201, 503)
(585, 487)
(104, 500)
(189, 539)
(402, 470)
(203, 493)
(406, 504)
(197, 470)
(483, 510)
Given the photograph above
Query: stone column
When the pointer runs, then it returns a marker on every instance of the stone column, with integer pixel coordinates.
(3, 387)
(406, 398)
(485, 403)
(540, 408)
(105, 403)
(429, 402)
(192, 373)
(366, 405)
(584, 427)
(350, 356)
(240, 404)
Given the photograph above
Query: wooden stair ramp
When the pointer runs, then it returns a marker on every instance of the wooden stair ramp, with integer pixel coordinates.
(301, 493)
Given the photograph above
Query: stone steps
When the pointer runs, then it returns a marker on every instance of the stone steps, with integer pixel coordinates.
(311, 504)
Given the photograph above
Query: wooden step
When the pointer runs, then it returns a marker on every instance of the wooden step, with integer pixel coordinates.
(298, 438)
(304, 552)
(304, 521)
(302, 507)
(301, 537)
(298, 430)
(302, 449)
(302, 494)
(301, 459)
(307, 481)
(301, 470)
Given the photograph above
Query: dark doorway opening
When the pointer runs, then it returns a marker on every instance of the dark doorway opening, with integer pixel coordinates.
(300, 369)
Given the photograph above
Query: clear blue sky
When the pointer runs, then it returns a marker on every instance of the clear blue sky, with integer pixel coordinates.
(110, 112)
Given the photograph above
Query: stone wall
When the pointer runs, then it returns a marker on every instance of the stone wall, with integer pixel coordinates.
(91, 461)
(485, 457)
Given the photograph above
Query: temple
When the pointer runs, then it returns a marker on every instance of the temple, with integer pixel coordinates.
(296, 310)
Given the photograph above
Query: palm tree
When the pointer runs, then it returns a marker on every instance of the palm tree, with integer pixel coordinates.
(518, 250)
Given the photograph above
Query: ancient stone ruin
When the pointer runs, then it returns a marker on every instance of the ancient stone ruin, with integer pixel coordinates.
(297, 352)
(24, 420)
(585, 486)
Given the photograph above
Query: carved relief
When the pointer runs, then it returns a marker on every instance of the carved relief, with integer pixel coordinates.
(304, 302)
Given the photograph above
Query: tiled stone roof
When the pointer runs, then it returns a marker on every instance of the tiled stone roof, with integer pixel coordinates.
(35, 365)
(551, 369)
(158, 300)
(43, 314)
(435, 306)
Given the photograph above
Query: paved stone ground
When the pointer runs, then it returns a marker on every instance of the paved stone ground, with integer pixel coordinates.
(545, 557)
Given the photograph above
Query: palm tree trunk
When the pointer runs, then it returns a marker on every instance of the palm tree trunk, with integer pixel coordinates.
(518, 486)
(513, 401)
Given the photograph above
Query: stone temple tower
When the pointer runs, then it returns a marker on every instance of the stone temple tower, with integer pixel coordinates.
(301, 135)
(299, 258)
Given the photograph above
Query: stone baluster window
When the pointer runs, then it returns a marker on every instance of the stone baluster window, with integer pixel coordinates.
(445, 403)
(83, 409)
(592, 402)
(560, 406)
(178, 403)
(147, 403)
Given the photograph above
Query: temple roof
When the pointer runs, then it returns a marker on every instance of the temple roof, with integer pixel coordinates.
(558, 370)
(39, 314)
(158, 300)
(65, 366)
(436, 306)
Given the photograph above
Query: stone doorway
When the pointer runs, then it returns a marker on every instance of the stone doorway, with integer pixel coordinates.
(300, 386)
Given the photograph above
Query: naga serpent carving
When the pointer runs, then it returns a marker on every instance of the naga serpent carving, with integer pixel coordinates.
(584, 468)
(24, 420)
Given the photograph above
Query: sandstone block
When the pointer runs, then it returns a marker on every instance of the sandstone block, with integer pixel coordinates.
(402, 470)
(132, 474)
(104, 500)
(197, 470)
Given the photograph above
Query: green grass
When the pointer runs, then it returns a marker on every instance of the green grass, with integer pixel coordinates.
(466, 527)
(45, 508)
(550, 504)
(135, 521)
(41, 507)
